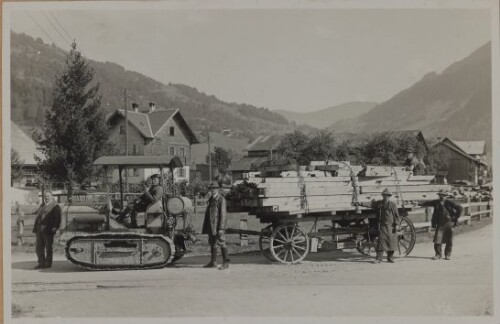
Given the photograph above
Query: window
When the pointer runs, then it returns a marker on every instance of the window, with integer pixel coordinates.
(122, 130)
(134, 149)
(172, 131)
(182, 174)
(158, 141)
(172, 150)
(181, 151)
(136, 172)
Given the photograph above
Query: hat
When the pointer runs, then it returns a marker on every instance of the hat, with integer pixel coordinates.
(409, 150)
(442, 192)
(154, 176)
(213, 185)
(386, 192)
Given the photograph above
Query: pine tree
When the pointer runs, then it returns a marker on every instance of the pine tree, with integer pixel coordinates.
(75, 131)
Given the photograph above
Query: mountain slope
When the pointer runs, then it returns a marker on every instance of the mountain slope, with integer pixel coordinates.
(34, 66)
(455, 103)
(326, 117)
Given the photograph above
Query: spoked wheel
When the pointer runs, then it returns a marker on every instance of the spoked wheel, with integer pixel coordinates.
(289, 244)
(368, 243)
(406, 238)
(265, 242)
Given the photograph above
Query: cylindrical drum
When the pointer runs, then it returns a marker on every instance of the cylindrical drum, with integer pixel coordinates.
(178, 205)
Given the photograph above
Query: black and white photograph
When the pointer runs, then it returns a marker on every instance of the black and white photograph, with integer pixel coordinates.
(250, 161)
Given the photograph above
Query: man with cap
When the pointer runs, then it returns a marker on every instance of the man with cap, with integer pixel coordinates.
(214, 225)
(413, 163)
(444, 217)
(388, 225)
(150, 196)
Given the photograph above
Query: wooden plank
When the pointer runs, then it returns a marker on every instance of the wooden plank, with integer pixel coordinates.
(325, 189)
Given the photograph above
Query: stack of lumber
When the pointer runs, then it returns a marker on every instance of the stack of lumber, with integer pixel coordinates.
(321, 190)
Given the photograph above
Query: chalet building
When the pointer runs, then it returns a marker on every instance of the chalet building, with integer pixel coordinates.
(27, 150)
(155, 131)
(465, 159)
(259, 151)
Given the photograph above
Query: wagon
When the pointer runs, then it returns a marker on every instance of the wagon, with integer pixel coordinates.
(289, 198)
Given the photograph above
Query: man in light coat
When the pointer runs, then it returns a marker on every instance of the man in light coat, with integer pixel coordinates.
(214, 225)
(388, 225)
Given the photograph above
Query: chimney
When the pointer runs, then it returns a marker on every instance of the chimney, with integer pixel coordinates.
(135, 107)
(152, 107)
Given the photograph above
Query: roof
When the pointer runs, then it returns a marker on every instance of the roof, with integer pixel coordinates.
(265, 143)
(459, 151)
(472, 147)
(135, 161)
(246, 163)
(150, 124)
(24, 145)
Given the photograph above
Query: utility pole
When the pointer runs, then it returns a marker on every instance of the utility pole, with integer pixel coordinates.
(209, 157)
(126, 135)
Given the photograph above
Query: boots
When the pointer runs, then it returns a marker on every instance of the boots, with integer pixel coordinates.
(225, 259)
(379, 256)
(213, 260)
(390, 256)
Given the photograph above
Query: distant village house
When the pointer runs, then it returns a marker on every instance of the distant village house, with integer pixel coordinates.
(466, 160)
(27, 150)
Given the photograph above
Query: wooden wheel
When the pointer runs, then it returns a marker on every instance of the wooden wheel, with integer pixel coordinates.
(289, 244)
(265, 242)
(406, 237)
(367, 242)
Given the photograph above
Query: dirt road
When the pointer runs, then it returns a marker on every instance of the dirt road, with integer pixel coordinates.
(327, 284)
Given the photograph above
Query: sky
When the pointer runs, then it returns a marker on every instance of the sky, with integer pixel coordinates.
(292, 59)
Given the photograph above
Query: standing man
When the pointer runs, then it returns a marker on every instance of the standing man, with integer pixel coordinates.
(214, 224)
(444, 217)
(151, 195)
(47, 223)
(388, 226)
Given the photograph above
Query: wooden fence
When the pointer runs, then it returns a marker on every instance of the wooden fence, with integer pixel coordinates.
(471, 210)
(21, 229)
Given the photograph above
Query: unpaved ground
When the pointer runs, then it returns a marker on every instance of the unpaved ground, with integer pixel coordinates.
(327, 284)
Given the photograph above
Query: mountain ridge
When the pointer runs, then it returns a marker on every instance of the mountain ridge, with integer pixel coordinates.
(454, 103)
(325, 117)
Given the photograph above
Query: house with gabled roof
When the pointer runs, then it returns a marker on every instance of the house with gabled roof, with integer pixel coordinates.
(155, 131)
(465, 159)
(262, 149)
(27, 150)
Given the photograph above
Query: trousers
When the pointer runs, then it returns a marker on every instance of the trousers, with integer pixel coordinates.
(44, 250)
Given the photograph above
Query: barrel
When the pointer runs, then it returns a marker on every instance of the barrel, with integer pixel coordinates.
(178, 205)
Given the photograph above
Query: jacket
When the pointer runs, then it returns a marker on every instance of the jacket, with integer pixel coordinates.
(444, 215)
(215, 215)
(48, 217)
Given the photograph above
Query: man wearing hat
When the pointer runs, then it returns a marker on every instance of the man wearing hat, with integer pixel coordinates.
(445, 215)
(388, 225)
(214, 224)
(150, 196)
(413, 163)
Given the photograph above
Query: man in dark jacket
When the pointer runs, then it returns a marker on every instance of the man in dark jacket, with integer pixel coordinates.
(47, 223)
(388, 225)
(444, 217)
(214, 224)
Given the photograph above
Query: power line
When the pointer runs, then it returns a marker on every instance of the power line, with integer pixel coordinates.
(43, 30)
(56, 29)
(61, 25)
